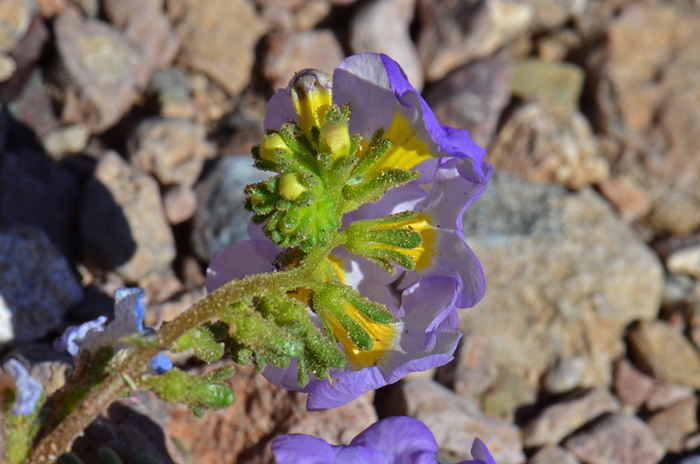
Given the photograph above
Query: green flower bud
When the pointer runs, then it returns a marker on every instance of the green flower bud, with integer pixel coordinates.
(335, 139)
(290, 187)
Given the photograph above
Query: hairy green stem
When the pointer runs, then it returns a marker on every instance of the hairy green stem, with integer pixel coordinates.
(61, 438)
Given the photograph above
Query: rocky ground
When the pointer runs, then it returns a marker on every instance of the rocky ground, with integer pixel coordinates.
(124, 137)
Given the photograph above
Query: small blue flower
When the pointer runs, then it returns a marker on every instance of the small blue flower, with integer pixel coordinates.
(394, 440)
(128, 319)
(28, 389)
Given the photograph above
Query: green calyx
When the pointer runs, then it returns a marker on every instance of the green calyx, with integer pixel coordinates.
(342, 303)
(322, 175)
(208, 391)
(386, 240)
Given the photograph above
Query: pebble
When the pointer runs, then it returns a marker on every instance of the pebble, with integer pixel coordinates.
(685, 261)
(218, 38)
(180, 202)
(456, 421)
(221, 220)
(549, 83)
(664, 395)
(383, 26)
(67, 140)
(588, 277)
(562, 418)
(629, 199)
(553, 455)
(146, 26)
(473, 97)
(37, 286)
(672, 425)
(8, 66)
(665, 353)
(15, 16)
(122, 223)
(100, 64)
(631, 385)
(473, 371)
(446, 41)
(288, 53)
(564, 375)
(618, 439)
(546, 146)
(173, 150)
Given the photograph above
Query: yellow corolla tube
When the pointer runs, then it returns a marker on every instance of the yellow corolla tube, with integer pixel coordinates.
(312, 98)
(384, 338)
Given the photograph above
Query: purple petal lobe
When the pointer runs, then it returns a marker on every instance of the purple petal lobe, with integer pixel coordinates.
(161, 363)
(242, 259)
(280, 110)
(128, 311)
(303, 449)
(72, 335)
(404, 439)
(346, 387)
(480, 453)
(29, 390)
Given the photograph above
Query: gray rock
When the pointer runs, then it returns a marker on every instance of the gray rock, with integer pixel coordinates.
(221, 220)
(453, 33)
(218, 38)
(8, 66)
(473, 97)
(456, 421)
(560, 419)
(66, 140)
(616, 439)
(685, 261)
(122, 223)
(33, 105)
(665, 353)
(553, 455)
(37, 286)
(146, 26)
(289, 53)
(546, 146)
(382, 26)
(565, 277)
(100, 64)
(671, 426)
(173, 150)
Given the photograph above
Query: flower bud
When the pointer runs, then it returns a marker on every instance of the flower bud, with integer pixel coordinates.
(271, 143)
(290, 187)
(335, 139)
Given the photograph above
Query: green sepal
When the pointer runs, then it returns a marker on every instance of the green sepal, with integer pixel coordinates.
(374, 189)
(208, 391)
(378, 146)
(333, 300)
(205, 342)
(337, 114)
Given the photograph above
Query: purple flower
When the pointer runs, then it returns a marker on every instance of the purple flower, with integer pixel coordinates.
(128, 320)
(28, 390)
(394, 440)
(424, 335)
(380, 96)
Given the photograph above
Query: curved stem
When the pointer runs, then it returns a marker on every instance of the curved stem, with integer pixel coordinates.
(64, 434)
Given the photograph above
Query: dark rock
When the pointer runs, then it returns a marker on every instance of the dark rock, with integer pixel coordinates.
(631, 385)
(37, 286)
